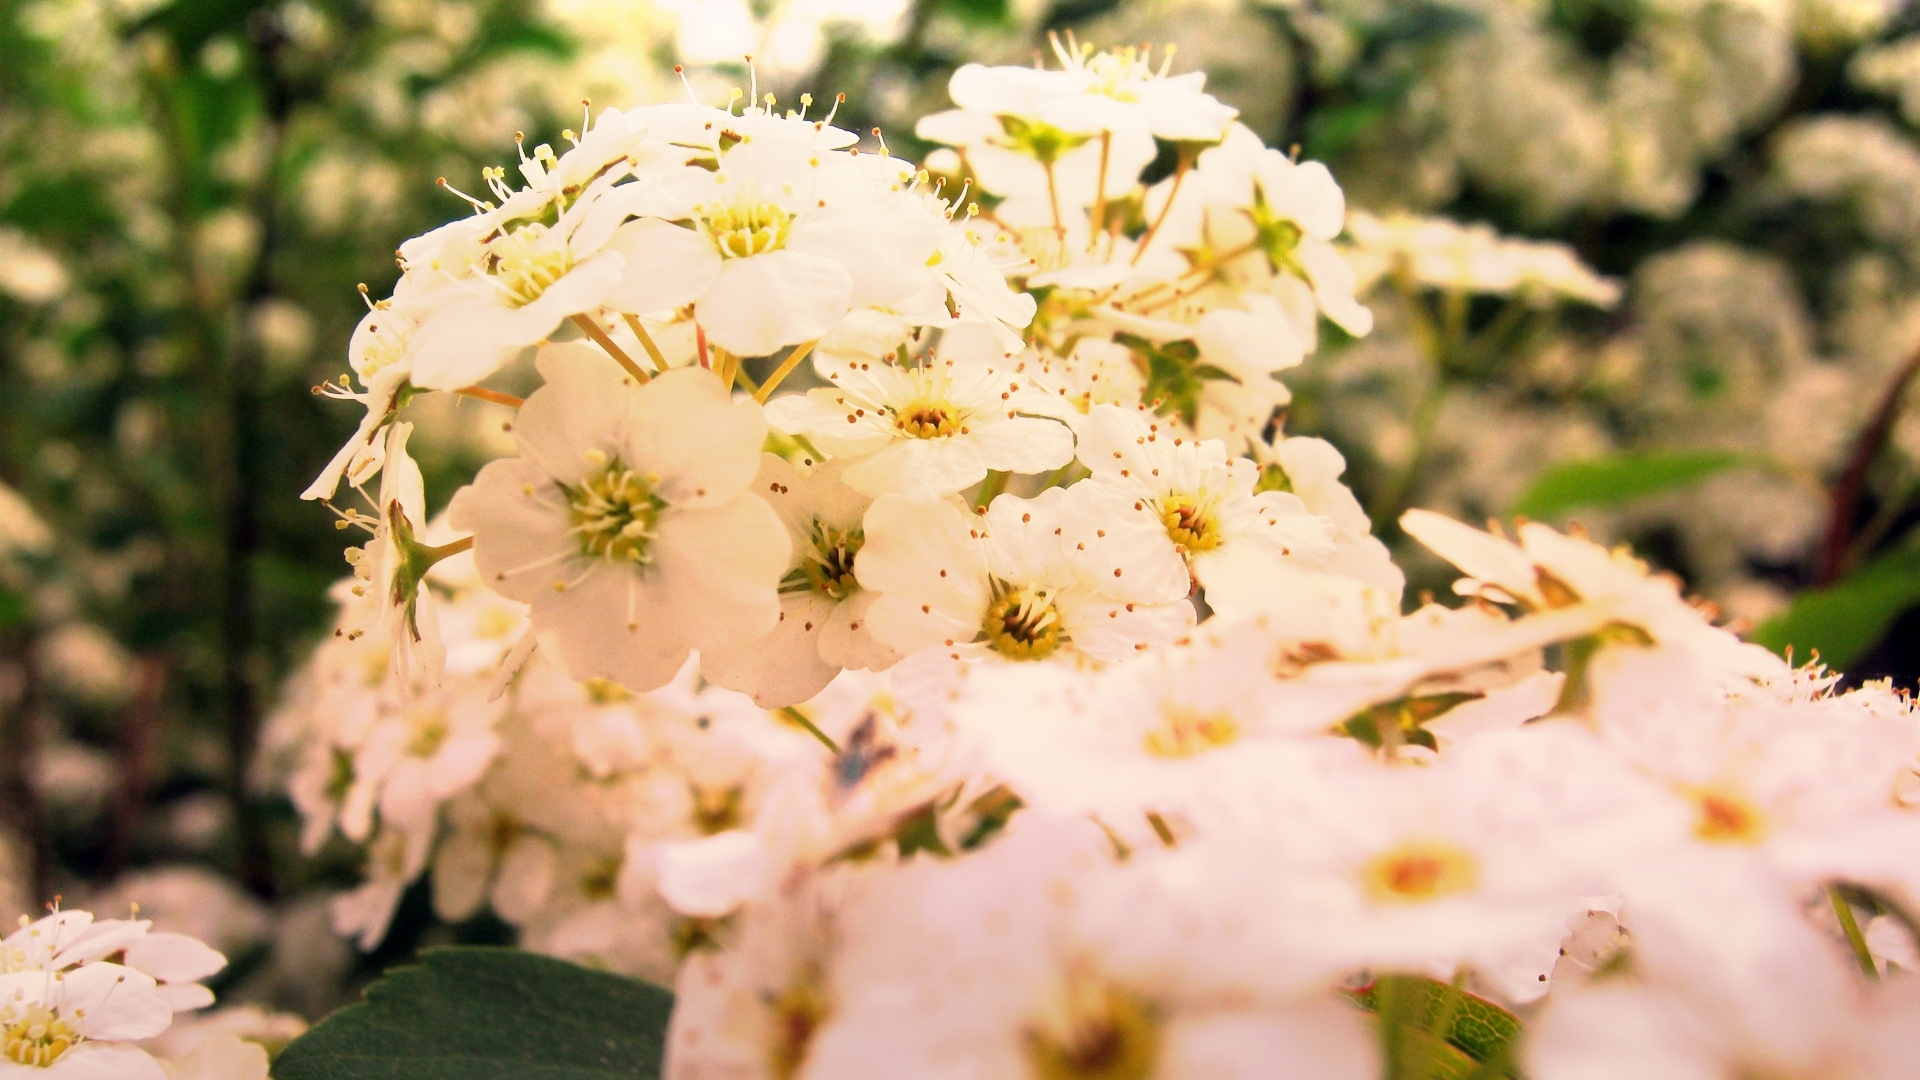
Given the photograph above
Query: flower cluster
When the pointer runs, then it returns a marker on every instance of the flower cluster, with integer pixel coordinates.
(1012, 696)
(79, 995)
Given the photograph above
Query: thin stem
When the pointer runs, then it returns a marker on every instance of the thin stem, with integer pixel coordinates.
(1100, 192)
(646, 342)
(786, 368)
(1442, 1028)
(448, 550)
(724, 365)
(1201, 274)
(481, 393)
(1053, 202)
(1159, 219)
(746, 381)
(990, 488)
(800, 718)
(600, 338)
(1847, 490)
(1851, 927)
(700, 344)
(1162, 830)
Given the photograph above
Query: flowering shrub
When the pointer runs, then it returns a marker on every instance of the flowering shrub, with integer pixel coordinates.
(907, 631)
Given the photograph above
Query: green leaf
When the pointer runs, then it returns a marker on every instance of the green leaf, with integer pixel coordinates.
(1450, 1032)
(1617, 479)
(489, 1014)
(1843, 621)
(1409, 714)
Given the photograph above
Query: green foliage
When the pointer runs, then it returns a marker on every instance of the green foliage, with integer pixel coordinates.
(489, 1014)
(1429, 1029)
(1842, 622)
(1617, 479)
(1407, 715)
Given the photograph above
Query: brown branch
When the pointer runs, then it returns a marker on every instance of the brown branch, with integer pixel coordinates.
(1845, 500)
(138, 734)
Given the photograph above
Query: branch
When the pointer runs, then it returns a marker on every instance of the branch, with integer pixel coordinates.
(1845, 500)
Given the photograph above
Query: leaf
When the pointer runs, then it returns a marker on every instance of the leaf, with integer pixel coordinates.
(489, 1014)
(1617, 479)
(1843, 621)
(1477, 1032)
(1408, 714)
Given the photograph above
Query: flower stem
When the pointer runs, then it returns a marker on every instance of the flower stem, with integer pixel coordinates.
(1179, 174)
(800, 718)
(1053, 202)
(700, 343)
(990, 488)
(646, 341)
(481, 393)
(1100, 192)
(1851, 927)
(786, 368)
(600, 338)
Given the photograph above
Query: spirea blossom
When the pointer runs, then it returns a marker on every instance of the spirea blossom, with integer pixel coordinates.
(1009, 694)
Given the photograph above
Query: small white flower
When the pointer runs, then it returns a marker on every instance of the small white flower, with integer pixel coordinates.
(1026, 580)
(937, 426)
(822, 626)
(80, 1025)
(1202, 500)
(627, 523)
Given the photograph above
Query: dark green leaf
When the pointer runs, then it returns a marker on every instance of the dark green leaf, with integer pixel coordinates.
(1844, 621)
(1617, 479)
(489, 1014)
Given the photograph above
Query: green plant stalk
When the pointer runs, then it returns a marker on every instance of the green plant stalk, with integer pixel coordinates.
(1851, 927)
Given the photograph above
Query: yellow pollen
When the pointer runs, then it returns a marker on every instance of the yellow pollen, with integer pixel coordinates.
(36, 1037)
(1724, 817)
(523, 267)
(1186, 732)
(745, 227)
(614, 511)
(928, 420)
(429, 733)
(1095, 1032)
(1023, 625)
(1189, 524)
(797, 1014)
(1418, 871)
(827, 563)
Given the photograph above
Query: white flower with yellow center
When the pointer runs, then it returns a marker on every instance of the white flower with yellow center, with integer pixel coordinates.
(430, 748)
(773, 240)
(823, 609)
(936, 426)
(627, 521)
(80, 1024)
(1210, 517)
(1028, 580)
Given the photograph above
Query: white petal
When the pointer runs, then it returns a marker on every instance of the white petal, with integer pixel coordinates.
(668, 266)
(119, 1004)
(719, 571)
(781, 298)
(525, 879)
(704, 447)
(174, 957)
(1023, 444)
(784, 666)
(103, 1061)
(710, 877)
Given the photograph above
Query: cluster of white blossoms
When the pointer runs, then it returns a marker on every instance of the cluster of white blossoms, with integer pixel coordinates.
(84, 998)
(1011, 696)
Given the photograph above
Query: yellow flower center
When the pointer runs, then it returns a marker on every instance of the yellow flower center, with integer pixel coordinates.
(1185, 732)
(614, 512)
(1023, 625)
(797, 1014)
(38, 1037)
(1724, 817)
(1418, 871)
(1189, 524)
(715, 810)
(523, 267)
(1095, 1032)
(828, 561)
(601, 879)
(428, 731)
(928, 420)
(745, 227)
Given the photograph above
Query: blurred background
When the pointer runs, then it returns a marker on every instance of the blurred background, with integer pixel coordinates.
(189, 193)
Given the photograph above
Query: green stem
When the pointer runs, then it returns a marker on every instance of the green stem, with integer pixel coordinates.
(1851, 927)
(990, 488)
(800, 718)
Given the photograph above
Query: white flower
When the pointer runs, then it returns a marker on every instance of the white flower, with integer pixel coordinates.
(79, 1025)
(786, 238)
(822, 626)
(430, 748)
(1026, 580)
(937, 426)
(1202, 500)
(1310, 468)
(626, 521)
(394, 860)
(1442, 254)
